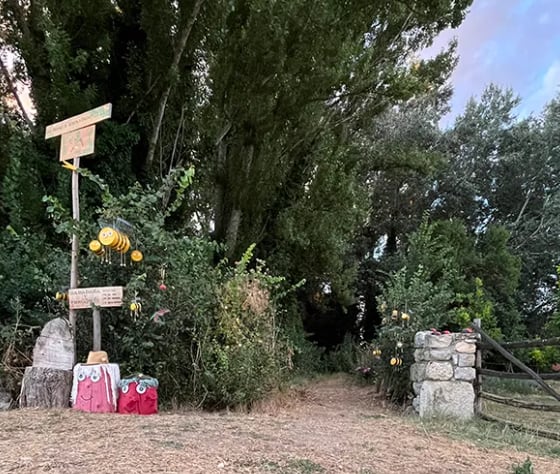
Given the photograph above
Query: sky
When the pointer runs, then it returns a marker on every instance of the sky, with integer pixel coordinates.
(512, 43)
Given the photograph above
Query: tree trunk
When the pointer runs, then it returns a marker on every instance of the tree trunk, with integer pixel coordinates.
(45, 388)
(178, 54)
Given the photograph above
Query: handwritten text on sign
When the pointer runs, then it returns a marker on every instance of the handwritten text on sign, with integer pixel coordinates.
(77, 143)
(79, 121)
(105, 296)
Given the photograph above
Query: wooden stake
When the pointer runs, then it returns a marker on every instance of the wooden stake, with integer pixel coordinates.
(75, 248)
(96, 329)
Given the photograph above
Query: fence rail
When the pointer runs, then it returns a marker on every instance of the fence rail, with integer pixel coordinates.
(520, 403)
(517, 375)
(525, 373)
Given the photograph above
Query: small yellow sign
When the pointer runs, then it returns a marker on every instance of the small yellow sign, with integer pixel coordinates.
(77, 143)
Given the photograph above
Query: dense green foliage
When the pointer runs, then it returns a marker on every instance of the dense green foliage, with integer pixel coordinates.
(313, 129)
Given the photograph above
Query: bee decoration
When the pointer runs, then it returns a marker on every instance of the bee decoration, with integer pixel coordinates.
(135, 308)
(136, 256)
(97, 248)
(396, 361)
(61, 296)
(376, 352)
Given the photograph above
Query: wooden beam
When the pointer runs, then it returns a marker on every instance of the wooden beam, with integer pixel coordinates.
(526, 429)
(520, 403)
(497, 347)
(553, 341)
(516, 375)
(96, 329)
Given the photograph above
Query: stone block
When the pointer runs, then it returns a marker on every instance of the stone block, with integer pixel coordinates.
(454, 399)
(438, 342)
(465, 373)
(418, 371)
(440, 354)
(439, 371)
(420, 338)
(465, 347)
(417, 386)
(54, 348)
(465, 360)
(421, 355)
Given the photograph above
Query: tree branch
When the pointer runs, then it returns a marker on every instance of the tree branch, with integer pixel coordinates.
(13, 90)
(179, 50)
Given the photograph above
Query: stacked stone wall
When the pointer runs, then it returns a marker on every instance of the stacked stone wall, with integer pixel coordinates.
(443, 374)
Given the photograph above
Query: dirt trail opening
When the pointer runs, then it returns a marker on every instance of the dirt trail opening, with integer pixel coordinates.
(331, 425)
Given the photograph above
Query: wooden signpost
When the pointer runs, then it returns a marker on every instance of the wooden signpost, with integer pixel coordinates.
(102, 297)
(77, 139)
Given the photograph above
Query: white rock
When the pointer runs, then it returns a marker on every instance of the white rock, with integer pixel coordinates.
(454, 399)
(439, 371)
(421, 355)
(465, 373)
(465, 360)
(420, 338)
(438, 342)
(466, 347)
(54, 348)
(418, 371)
(440, 354)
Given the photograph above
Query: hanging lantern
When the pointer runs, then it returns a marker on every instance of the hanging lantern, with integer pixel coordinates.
(395, 314)
(405, 317)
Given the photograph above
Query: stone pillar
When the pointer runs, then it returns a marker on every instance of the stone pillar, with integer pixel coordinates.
(443, 374)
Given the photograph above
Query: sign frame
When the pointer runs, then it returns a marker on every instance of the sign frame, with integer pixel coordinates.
(103, 296)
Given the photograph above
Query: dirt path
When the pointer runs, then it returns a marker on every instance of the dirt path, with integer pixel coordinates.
(330, 427)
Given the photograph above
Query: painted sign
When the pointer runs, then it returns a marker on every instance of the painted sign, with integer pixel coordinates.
(105, 296)
(77, 143)
(79, 121)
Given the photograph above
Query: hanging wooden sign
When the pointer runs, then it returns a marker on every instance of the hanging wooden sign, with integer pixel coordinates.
(79, 121)
(105, 297)
(77, 143)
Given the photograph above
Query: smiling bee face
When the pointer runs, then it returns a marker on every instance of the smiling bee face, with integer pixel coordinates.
(107, 236)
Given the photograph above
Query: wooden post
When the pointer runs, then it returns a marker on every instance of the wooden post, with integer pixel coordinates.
(478, 379)
(72, 316)
(96, 329)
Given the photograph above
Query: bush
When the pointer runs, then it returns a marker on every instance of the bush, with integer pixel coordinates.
(211, 334)
(31, 272)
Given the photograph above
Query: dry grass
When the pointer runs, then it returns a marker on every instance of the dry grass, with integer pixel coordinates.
(328, 426)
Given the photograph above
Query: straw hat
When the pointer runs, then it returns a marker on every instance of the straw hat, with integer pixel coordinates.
(97, 357)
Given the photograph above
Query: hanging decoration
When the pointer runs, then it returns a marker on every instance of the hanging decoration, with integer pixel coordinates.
(138, 395)
(94, 387)
(115, 237)
(135, 307)
(61, 296)
(162, 285)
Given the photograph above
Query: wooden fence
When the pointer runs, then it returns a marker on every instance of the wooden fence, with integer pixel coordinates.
(524, 372)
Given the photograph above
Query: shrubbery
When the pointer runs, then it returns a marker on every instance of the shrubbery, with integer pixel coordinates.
(214, 334)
